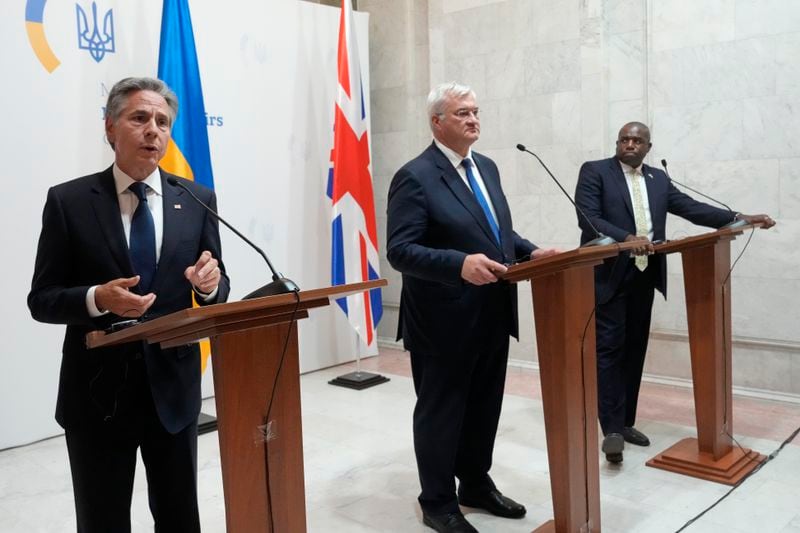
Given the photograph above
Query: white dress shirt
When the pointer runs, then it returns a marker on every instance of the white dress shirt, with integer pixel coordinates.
(128, 202)
(456, 159)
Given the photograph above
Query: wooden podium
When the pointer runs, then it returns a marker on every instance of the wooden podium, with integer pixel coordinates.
(563, 306)
(262, 460)
(712, 455)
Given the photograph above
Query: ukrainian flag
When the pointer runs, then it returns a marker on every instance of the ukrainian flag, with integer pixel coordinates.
(187, 154)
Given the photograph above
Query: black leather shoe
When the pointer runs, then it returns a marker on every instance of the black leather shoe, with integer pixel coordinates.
(448, 523)
(613, 444)
(492, 501)
(634, 436)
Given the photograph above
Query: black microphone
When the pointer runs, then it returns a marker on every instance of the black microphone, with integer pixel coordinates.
(279, 285)
(732, 224)
(600, 239)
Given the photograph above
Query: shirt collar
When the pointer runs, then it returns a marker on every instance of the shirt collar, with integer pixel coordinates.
(453, 156)
(627, 169)
(122, 181)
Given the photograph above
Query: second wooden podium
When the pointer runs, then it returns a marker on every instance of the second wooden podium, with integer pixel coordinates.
(563, 306)
(261, 456)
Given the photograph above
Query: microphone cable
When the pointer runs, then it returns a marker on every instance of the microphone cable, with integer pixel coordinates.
(583, 401)
(769, 458)
(725, 354)
(725, 413)
(267, 427)
(617, 262)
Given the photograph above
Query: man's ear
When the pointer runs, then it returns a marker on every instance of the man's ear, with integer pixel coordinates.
(109, 130)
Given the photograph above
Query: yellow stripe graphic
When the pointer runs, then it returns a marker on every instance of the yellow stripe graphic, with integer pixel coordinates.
(40, 46)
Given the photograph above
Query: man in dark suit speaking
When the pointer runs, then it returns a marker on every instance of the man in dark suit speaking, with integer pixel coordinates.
(117, 245)
(449, 233)
(629, 201)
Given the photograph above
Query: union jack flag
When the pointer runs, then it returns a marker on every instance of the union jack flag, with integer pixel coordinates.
(354, 246)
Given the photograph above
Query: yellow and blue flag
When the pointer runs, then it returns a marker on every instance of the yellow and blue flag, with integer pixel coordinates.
(188, 153)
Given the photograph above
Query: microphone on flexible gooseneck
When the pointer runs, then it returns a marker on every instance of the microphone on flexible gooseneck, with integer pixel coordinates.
(733, 224)
(279, 285)
(599, 239)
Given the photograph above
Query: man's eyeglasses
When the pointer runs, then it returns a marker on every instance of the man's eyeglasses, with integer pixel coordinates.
(464, 112)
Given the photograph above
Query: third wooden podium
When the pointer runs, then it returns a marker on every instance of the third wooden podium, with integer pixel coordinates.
(563, 306)
(262, 460)
(712, 455)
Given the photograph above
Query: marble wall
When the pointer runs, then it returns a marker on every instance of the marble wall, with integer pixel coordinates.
(714, 79)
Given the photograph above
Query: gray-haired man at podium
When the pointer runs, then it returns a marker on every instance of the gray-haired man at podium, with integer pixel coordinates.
(116, 245)
(449, 233)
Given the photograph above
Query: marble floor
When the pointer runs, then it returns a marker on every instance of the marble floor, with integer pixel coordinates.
(360, 473)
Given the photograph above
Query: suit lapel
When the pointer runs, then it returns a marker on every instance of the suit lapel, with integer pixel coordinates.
(173, 225)
(492, 183)
(622, 185)
(105, 204)
(462, 192)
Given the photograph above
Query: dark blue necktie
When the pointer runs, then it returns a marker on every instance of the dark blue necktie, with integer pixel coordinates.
(143, 239)
(476, 190)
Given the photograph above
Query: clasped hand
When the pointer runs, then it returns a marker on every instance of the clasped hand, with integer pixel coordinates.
(645, 247)
(480, 270)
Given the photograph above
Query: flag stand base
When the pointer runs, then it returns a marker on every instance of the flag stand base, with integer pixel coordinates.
(206, 424)
(358, 380)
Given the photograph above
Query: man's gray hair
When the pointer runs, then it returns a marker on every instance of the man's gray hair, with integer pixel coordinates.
(439, 95)
(118, 97)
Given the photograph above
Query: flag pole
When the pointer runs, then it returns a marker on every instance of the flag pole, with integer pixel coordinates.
(354, 239)
(358, 380)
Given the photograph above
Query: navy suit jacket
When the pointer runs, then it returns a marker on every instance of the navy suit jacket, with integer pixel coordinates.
(434, 222)
(83, 243)
(602, 193)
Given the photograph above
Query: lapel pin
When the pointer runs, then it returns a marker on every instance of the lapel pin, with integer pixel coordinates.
(649, 175)
(176, 206)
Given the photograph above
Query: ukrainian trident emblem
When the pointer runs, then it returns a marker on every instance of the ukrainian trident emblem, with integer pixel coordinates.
(91, 38)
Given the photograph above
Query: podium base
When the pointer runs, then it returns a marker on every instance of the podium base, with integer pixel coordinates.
(685, 458)
(206, 424)
(550, 527)
(358, 380)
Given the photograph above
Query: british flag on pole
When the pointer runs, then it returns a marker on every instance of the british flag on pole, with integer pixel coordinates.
(354, 246)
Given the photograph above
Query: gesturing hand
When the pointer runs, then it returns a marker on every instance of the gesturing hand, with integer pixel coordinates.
(116, 298)
(205, 274)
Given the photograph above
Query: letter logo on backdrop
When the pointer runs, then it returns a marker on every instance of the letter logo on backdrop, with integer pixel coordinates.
(89, 35)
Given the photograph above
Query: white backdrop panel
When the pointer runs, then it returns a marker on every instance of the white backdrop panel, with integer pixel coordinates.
(269, 76)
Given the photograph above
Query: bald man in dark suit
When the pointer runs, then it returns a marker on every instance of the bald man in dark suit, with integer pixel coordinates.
(629, 201)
